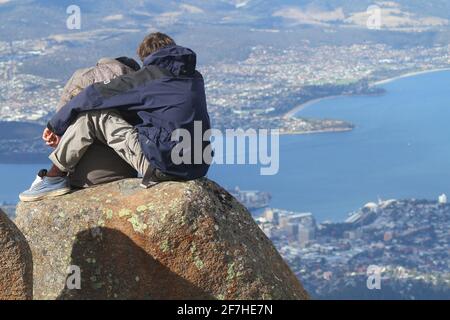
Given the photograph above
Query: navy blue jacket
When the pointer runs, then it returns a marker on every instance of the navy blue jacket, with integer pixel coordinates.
(166, 94)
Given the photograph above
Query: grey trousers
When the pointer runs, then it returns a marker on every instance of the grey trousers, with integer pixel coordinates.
(108, 128)
(100, 164)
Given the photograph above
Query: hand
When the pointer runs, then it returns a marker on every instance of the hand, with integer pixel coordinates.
(50, 138)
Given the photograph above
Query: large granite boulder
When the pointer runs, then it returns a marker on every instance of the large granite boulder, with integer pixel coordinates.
(16, 264)
(189, 240)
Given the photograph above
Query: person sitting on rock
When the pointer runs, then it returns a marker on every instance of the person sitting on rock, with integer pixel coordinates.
(137, 116)
(100, 163)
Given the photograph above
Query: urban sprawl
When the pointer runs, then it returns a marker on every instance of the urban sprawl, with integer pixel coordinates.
(407, 241)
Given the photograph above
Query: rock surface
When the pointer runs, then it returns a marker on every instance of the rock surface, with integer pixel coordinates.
(16, 265)
(189, 240)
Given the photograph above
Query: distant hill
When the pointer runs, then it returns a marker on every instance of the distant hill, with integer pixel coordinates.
(218, 30)
(19, 130)
(49, 16)
(21, 142)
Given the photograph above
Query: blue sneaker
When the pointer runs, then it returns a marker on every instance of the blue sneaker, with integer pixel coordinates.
(46, 187)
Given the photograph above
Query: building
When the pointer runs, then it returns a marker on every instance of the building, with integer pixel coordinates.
(302, 218)
(272, 216)
(252, 200)
(305, 235)
(291, 230)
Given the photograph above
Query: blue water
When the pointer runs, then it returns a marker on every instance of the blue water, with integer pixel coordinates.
(15, 179)
(399, 149)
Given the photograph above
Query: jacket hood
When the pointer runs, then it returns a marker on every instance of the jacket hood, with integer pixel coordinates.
(121, 62)
(129, 62)
(178, 60)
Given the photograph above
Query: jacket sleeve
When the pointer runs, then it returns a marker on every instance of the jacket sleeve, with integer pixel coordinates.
(120, 93)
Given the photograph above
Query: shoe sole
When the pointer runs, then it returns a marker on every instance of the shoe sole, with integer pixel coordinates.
(48, 195)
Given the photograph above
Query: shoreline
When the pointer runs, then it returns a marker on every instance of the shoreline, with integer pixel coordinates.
(297, 133)
(292, 113)
(408, 75)
(300, 107)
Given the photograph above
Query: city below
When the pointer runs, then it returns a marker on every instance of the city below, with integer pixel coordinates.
(406, 239)
(253, 93)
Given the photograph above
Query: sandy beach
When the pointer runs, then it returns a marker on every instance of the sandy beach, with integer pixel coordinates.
(300, 107)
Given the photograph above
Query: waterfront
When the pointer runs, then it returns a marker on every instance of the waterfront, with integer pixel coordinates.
(398, 149)
(295, 111)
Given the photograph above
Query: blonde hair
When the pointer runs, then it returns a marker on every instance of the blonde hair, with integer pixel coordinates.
(152, 43)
